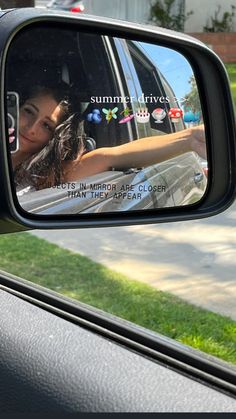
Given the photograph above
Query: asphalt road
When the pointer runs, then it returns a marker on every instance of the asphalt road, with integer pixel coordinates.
(195, 260)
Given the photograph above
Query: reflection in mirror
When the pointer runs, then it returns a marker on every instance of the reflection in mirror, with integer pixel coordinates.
(105, 124)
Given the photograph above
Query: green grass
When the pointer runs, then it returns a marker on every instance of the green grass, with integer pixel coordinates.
(231, 69)
(82, 279)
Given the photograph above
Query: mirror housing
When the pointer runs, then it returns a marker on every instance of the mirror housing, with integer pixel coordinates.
(217, 108)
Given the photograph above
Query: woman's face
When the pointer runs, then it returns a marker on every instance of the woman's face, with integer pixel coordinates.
(39, 116)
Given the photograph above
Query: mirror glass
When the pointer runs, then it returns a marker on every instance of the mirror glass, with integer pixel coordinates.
(102, 124)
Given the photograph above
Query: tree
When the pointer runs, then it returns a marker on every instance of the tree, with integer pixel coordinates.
(9, 4)
(163, 13)
(192, 102)
(225, 24)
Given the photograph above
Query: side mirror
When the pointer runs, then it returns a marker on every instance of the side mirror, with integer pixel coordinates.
(107, 125)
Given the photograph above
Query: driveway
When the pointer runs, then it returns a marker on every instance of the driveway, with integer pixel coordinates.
(195, 260)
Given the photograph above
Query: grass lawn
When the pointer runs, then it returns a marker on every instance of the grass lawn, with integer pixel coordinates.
(231, 69)
(80, 278)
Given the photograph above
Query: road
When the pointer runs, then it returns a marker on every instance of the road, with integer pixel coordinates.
(195, 260)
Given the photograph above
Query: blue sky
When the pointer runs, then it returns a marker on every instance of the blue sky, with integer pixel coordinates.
(175, 68)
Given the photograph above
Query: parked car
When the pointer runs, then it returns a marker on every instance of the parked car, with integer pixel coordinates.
(68, 5)
(61, 356)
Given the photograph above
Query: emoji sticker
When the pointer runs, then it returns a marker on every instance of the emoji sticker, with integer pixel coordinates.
(142, 115)
(159, 114)
(192, 117)
(175, 114)
(127, 116)
(94, 116)
(110, 113)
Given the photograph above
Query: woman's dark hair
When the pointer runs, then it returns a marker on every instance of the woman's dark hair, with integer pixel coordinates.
(59, 92)
(44, 169)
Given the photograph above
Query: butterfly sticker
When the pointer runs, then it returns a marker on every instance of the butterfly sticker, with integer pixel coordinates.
(110, 113)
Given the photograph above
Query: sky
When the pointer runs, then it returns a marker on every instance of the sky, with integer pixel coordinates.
(173, 65)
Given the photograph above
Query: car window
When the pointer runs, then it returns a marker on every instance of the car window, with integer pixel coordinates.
(97, 65)
(152, 86)
(69, 266)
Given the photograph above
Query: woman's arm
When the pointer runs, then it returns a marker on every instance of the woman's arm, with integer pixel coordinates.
(139, 153)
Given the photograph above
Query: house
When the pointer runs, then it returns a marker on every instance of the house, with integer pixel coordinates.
(139, 10)
(223, 43)
(203, 11)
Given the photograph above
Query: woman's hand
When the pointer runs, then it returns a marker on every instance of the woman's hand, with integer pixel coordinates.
(198, 140)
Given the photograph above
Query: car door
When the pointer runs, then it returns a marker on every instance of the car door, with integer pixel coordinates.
(183, 177)
(58, 355)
